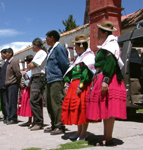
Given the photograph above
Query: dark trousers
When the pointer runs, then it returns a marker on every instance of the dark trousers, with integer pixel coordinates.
(12, 94)
(55, 96)
(4, 103)
(36, 90)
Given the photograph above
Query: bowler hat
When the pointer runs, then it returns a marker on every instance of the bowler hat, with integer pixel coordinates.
(81, 38)
(107, 26)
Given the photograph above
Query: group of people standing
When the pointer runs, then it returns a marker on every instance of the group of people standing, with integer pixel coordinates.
(90, 90)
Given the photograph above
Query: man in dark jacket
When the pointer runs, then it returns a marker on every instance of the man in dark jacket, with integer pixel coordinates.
(4, 101)
(12, 81)
(56, 65)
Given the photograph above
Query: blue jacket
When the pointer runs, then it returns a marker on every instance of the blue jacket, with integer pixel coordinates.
(57, 64)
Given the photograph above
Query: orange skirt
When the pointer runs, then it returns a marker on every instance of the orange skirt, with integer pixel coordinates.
(74, 107)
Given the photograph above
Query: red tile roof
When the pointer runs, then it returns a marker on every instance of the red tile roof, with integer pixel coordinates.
(124, 17)
(63, 34)
(132, 19)
(73, 30)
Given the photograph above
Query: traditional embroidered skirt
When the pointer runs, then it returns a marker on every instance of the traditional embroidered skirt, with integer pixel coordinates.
(112, 104)
(74, 107)
(25, 109)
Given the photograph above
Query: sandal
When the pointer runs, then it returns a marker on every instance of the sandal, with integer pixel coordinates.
(105, 143)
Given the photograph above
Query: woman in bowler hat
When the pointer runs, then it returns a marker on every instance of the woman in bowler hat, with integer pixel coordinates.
(106, 98)
(77, 80)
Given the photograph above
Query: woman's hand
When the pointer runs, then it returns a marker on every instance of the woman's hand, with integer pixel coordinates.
(104, 88)
(22, 86)
(66, 90)
(78, 91)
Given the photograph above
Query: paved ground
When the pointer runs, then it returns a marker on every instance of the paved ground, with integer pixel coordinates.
(127, 135)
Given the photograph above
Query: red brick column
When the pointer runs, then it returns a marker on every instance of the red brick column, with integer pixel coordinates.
(101, 10)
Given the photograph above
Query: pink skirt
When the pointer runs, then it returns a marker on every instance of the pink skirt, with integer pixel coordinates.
(102, 106)
(25, 109)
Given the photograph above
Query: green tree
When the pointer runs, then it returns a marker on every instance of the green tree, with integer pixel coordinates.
(69, 24)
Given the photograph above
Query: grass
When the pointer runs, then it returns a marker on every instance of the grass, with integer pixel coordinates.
(70, 145)
(32, 148)
(74, 145)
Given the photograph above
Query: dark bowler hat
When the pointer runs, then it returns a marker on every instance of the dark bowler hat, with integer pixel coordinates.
(107, 26)
(29, 58)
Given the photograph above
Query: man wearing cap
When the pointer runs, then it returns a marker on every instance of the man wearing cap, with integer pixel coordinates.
(12, 81)
(56, 65)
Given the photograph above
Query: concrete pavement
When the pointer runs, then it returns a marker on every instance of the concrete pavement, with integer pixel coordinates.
(127, 135)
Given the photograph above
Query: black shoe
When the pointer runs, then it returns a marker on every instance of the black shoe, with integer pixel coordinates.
(2, 119)
(11, 122)
(30, 126)
(27, 124)
(5, 121)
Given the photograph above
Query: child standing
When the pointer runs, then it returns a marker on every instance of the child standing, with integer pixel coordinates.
(24, 105)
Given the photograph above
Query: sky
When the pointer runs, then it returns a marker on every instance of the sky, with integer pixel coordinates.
(21, 21)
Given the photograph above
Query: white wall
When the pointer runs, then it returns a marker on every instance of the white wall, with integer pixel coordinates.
(66, 40)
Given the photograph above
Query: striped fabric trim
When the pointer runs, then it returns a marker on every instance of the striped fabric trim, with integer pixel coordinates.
(66, 85)
(35, 64)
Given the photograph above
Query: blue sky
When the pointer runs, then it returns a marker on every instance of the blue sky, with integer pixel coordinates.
(21, 21)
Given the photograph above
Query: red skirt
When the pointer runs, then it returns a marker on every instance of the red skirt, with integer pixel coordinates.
(74, 107)
(25, 109)
(19, 101)
(102, 106)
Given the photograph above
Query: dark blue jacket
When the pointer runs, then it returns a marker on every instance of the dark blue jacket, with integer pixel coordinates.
(57, 64)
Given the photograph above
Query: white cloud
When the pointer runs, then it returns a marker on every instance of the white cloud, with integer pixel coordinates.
(2, 6)
(16, 46)
(43, 38)
(9, 32)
